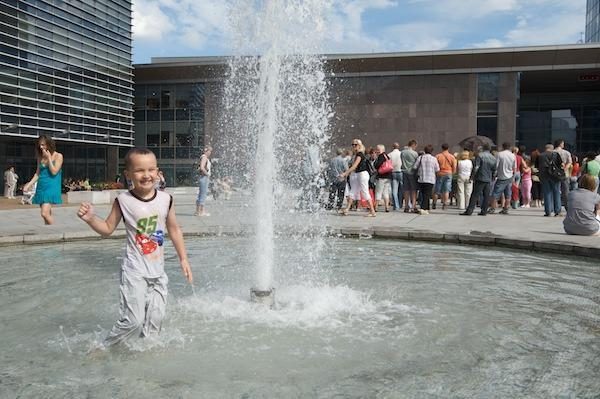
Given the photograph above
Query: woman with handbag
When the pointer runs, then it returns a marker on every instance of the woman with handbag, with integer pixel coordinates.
(383, 165)
(358, 183)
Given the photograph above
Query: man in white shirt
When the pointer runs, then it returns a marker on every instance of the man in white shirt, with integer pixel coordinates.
(506, 165)
(395, 156)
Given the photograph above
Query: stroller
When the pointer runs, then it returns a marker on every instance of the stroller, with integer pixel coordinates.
(27, 198)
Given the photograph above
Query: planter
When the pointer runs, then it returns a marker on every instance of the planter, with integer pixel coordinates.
(93, 197)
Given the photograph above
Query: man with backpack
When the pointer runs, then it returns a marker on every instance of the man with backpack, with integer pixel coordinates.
(550, 172)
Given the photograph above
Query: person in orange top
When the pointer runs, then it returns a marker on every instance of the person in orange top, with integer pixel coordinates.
(443, 182)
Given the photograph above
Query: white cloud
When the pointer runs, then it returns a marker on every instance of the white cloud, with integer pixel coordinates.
(417, 36)
(345, 28)
(490, 43)
(150, 22)
(465, 9)
(191, 23)
(553, 29)
(560, 23)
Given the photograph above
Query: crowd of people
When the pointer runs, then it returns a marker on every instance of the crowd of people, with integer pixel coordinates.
(406, 179)
(71, 184)
(494, 180)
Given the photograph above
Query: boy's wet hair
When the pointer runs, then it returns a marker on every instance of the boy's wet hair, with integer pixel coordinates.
(135, 151)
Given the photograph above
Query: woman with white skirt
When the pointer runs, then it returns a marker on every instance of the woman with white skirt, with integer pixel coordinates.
(358, 182)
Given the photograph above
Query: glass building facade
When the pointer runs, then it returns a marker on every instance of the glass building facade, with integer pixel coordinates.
(169, 120)
(592, 21)
(66, 72)
(574, 117)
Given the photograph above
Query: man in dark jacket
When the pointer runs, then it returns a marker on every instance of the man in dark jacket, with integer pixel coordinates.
(547, 162)
(484, 170)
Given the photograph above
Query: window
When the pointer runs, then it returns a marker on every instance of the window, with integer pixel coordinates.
(165, 138)
(152, 140)
(487, 105)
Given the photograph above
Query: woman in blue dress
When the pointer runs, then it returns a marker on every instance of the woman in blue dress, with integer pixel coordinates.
(48, 177)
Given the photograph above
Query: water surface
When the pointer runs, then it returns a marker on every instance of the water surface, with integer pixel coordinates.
(389, 319)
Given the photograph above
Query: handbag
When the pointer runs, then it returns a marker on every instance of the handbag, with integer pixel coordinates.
(386, 166)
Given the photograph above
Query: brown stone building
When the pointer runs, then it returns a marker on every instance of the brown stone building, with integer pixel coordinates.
(525, 95)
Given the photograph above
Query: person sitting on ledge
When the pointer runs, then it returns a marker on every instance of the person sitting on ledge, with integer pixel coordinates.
(584, 207)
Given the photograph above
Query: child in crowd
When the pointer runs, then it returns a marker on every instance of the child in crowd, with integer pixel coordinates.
(526, 183)
(146, 212)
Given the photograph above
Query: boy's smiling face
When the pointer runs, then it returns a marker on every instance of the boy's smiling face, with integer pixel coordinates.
(143, 173)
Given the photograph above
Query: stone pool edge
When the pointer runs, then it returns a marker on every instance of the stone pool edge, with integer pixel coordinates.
(483, 239)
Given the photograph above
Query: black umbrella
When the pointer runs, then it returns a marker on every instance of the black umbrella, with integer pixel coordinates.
(471, 143)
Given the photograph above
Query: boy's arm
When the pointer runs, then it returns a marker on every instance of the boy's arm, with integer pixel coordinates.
(176, 237)
(102, 227)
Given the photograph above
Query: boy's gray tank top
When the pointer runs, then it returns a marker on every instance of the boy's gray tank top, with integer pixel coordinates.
(145, 224)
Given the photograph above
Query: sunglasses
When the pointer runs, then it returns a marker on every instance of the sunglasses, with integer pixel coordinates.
(354, 143)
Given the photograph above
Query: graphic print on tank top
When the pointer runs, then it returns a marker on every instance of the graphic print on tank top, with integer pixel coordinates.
(147, 237)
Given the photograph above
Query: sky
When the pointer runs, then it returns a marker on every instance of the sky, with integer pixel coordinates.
(191, 28)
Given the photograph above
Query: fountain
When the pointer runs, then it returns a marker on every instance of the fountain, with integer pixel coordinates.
(277, 108)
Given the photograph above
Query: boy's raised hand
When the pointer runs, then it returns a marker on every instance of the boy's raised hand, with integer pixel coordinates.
(86, 211)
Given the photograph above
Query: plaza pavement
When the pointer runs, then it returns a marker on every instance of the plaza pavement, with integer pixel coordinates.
(522, 228)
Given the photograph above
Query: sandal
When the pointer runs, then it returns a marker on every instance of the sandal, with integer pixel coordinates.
(370, 215)
(344, 212)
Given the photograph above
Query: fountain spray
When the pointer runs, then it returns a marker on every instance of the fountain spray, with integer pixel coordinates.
(277, 111)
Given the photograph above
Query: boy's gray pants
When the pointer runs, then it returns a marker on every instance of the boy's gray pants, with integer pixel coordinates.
(142, 307)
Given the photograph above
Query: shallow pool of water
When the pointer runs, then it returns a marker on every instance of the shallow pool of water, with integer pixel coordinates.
(372, 319)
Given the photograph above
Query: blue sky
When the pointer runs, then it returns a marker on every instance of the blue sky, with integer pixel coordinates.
(176, 28)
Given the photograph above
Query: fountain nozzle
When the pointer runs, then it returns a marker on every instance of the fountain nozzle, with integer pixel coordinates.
(265, 297)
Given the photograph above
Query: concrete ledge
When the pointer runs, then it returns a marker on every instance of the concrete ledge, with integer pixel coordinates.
(224, 230)
(476, 239)
(11, 240)
(334, 231)
(451, 238)
(512, 243)
(398, 234)
(401, 233)
(80, 235)
(586, 251)
(554, 247)
(426, 235)
(356, 231)
(43, 238)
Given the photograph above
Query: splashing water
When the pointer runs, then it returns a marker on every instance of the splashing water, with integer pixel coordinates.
(276, 113)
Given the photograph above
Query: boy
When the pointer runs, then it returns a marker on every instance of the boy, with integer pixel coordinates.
(146, 212)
